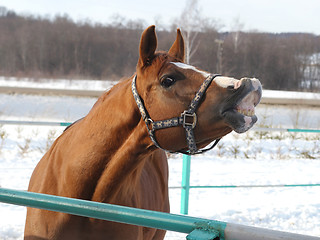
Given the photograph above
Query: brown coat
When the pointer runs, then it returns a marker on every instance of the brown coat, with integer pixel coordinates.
(108, 155)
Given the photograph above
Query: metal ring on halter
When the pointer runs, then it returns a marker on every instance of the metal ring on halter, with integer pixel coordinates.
(188, 116)
(149, 122)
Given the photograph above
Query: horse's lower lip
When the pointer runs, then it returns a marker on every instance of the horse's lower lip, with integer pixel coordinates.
(240, 123)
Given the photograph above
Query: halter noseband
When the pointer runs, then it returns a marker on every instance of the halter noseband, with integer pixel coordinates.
(187, 119)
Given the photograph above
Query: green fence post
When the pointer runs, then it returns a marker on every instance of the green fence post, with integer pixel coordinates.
(185, 184)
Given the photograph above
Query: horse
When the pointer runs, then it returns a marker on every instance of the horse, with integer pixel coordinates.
(117, 153)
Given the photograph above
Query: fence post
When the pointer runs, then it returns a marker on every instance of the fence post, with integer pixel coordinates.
(185, 184)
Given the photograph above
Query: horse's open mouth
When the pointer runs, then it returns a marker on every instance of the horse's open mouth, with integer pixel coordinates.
(241, 116)
(247, 105)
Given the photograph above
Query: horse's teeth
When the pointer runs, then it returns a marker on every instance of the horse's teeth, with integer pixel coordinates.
(246, 112)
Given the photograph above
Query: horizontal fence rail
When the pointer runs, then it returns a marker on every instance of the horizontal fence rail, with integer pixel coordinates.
(172, 222)
(53, 123)
(103, 211)
(35, 123)
(51, 91)
(251, 186)
(270, 96)
(292, 130)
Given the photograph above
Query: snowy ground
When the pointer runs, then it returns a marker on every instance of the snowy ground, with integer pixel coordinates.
(253, 158)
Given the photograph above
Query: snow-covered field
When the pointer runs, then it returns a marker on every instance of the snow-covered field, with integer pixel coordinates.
(253, 158)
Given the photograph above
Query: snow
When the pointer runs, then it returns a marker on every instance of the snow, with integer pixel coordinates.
(291, 94)
(101, 85)
(56, 83)
(253, 158)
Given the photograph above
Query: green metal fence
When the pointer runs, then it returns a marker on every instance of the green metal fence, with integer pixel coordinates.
(196, 228)
(186, 164)
(36, 123)
(186, 169)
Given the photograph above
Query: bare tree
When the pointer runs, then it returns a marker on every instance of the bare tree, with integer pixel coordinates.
(39, 47)
(236, 28)
(3, 11)
(190, 21)
(193, 24)
(219, 55)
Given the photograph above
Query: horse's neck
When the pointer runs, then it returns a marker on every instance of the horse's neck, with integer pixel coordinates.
(123, 138)
(113, 119)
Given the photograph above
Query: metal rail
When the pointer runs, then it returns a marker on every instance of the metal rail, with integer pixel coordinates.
(53, 123)
(312, 100)
(292, 130)
(36, 123)
(197, 228)
(249, 186)
(50, 91)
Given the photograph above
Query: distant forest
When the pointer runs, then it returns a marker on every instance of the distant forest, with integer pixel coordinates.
(37, 47)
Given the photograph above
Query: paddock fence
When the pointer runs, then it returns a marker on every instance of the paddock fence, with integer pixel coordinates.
(270, 96)
(196, 228)
(65, 124)
(186, 163)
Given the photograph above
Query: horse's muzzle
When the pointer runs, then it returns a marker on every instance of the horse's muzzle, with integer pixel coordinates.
(240, 110)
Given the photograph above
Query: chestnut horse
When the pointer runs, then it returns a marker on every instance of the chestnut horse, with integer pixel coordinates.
(113, 154)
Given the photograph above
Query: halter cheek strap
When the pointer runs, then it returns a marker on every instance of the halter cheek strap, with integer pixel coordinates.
(187, 119)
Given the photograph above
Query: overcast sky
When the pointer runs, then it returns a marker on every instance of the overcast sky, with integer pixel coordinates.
(261, 15)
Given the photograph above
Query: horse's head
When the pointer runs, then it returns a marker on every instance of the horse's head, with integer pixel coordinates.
(167, 87)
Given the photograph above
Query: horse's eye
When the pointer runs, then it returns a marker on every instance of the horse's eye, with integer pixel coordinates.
(167, 82)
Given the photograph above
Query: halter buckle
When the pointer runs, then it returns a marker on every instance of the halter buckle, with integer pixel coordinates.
(189, 119)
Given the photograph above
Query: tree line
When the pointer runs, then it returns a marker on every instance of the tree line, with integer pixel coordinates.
(41, 48)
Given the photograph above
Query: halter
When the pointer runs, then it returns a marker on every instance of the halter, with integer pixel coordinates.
(187, 119)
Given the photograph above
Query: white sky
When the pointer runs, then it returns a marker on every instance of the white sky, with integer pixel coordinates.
(261, 15)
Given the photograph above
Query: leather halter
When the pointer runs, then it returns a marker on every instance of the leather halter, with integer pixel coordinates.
(187, 119)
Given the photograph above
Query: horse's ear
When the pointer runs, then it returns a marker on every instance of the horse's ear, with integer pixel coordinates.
(177, 48)
(148, 45)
